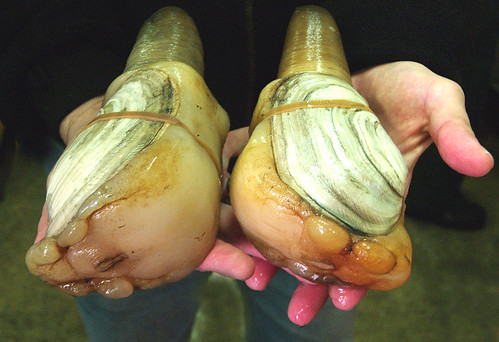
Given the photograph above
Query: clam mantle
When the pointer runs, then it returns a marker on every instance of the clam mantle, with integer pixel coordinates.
(134, 200)
(320, 186)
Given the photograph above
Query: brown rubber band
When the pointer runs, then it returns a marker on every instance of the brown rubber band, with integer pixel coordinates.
(290, 107)
(135, 115)
(315, 104)
(158, 117)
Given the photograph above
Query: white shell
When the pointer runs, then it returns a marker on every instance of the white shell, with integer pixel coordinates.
(340, 160)
(99, 152)
(102, 150)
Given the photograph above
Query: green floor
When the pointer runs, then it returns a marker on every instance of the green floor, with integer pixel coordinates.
(452, 294)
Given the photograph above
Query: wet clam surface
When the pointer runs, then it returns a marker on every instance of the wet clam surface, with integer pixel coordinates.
(319, 187)
(134, 201)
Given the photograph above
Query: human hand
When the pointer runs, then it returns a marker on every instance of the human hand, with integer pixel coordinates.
(416, 107)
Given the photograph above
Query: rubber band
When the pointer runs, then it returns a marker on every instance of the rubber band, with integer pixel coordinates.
(290, 107)
(157, 117)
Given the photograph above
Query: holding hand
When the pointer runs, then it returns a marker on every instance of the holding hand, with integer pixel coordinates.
(416, 107)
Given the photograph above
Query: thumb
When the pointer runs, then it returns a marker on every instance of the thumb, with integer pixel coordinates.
(451, 131)
(462, 151)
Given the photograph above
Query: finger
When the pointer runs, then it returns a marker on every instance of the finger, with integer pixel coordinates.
(462, 151)
(451, 131)
(230, 230)
(234, 144)
(306, 303)
(42, 224)
(346, 298)
(229, 261)
(264, 272)
(245, 245)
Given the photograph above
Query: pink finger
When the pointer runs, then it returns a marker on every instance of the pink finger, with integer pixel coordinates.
(234, 144)
(264, 272)
(461, 150)
(306, 303)
(229, 261)
(246, 246)
(42, 224)
(346, 298)
(451, 131)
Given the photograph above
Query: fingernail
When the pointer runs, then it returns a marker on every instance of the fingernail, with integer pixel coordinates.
(488, 153)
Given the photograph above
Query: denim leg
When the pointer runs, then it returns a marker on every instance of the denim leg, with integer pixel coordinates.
(165, 313)
(268, 319)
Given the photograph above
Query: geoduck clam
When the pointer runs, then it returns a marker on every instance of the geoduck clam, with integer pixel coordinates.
(319, 188)
(134, 200)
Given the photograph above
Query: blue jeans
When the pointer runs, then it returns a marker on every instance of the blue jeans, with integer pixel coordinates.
(269, 321)
(167, 313)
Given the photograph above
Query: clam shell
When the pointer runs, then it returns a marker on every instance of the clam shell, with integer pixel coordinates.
(340, 160)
